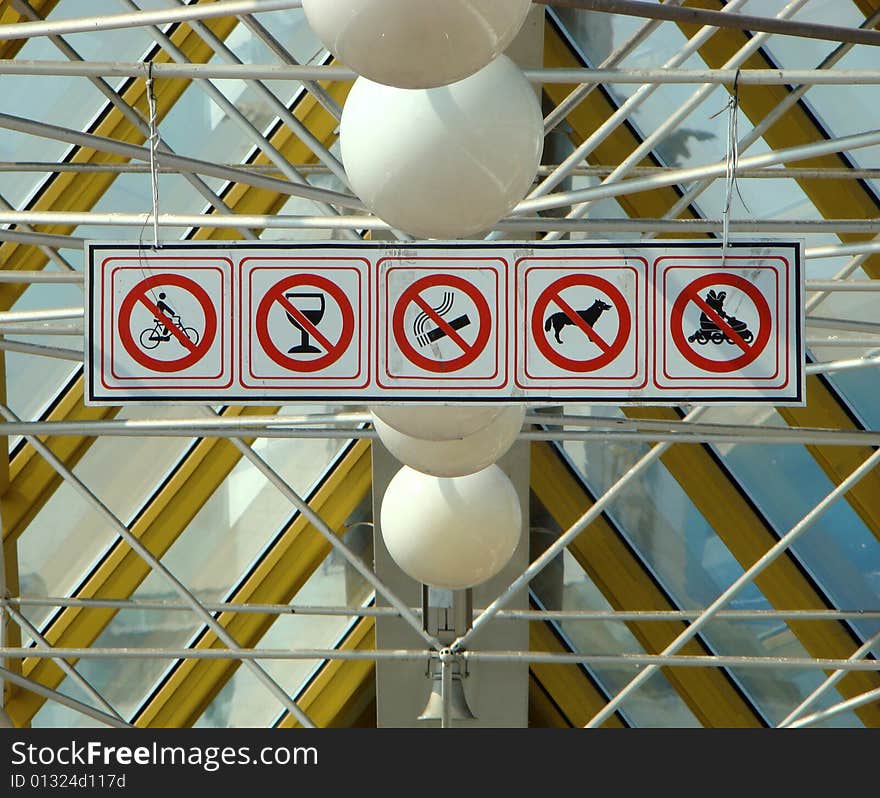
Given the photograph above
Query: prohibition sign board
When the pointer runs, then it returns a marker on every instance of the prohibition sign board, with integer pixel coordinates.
(140, 294)
(751, 347)
(609, 350)
(333, 350)
(469, 351)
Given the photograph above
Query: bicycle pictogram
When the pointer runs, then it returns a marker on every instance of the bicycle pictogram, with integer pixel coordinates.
(151, 337)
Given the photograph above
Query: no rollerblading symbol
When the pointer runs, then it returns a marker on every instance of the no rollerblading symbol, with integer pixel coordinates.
(704, 332)
(165, 331)
(600, 340)
(304, 300)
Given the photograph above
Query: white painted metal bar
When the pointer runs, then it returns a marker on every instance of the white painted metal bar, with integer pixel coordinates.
(632, 660)
(847, 342)
(106, 22)
(44, 276)
(55, 352)
(769, 119)
(597, 508)
(634, 227)
(747, 577)
(157, 566)
(24, 8)
(313, 87)
(59, 698)
(239, 175)
(40, 329)
(692, 173)
(826, 367)
(844, 706)
(68, 669)
(251, 133)
(774, 173)
(50, 252)
(603, 616)
(835, 250)
(677, 115)
(628, 107)
(42, 239)
(700, 16)
(300, 72)
(48, 314)
(852, 325)
(589, 84)
(833, 679)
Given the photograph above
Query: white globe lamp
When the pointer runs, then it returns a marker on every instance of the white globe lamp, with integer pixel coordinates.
(446, 162)
(436, 422)
(460, 456)
(416, 44)
(451, 533)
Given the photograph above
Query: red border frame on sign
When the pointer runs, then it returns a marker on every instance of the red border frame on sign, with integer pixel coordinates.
(579, 265)
(283, 359)
(177, 264)
(702, 263)
(536, 324)
(476, 348)
(456, 265)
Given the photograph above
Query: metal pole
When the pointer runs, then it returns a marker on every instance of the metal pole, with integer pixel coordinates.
(24, 8)
(629, 106)
(834, 250)
(699, 16)
(753, 135)
(156, 565)
(13, 316)
(827, 367)
(251, 133)
(616, 660)
(681, 113)
(746, 578)
(522, 224)
(563, 540)
(105, 22)
(58, 352)
(65, 666)
(184, 164)
(604, 616)
(583, 91)
(690, 174)
(42, 239)
(445, 690)
(844, 706)
(832, 680)
(60, 698)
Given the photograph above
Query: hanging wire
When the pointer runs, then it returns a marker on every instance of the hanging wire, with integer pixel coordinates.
(154, 141)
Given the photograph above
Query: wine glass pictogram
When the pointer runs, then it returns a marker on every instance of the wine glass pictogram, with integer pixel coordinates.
(312, 306)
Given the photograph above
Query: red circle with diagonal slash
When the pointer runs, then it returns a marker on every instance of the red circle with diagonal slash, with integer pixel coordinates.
(691, 294)
(333, 351)
(470, 352)
(195, 351)
(553, 293)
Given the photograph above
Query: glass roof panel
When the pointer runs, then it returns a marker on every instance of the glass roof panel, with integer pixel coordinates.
(691, 562)
(570, 588)
(218, 547)
(244, 701)
(67, 538)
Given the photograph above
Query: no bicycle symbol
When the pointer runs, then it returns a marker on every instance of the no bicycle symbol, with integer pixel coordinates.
(714, 328)
(553, 313)
(165, 325)
(417, 322)
(305, 301)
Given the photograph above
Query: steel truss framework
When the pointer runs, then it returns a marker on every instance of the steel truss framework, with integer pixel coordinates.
(291, 159)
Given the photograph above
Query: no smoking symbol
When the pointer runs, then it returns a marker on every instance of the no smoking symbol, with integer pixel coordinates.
(553, 313)
(304, 299)
(717, 328)
(470, 351)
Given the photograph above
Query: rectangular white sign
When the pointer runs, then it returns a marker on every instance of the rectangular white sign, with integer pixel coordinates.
(654, 322)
